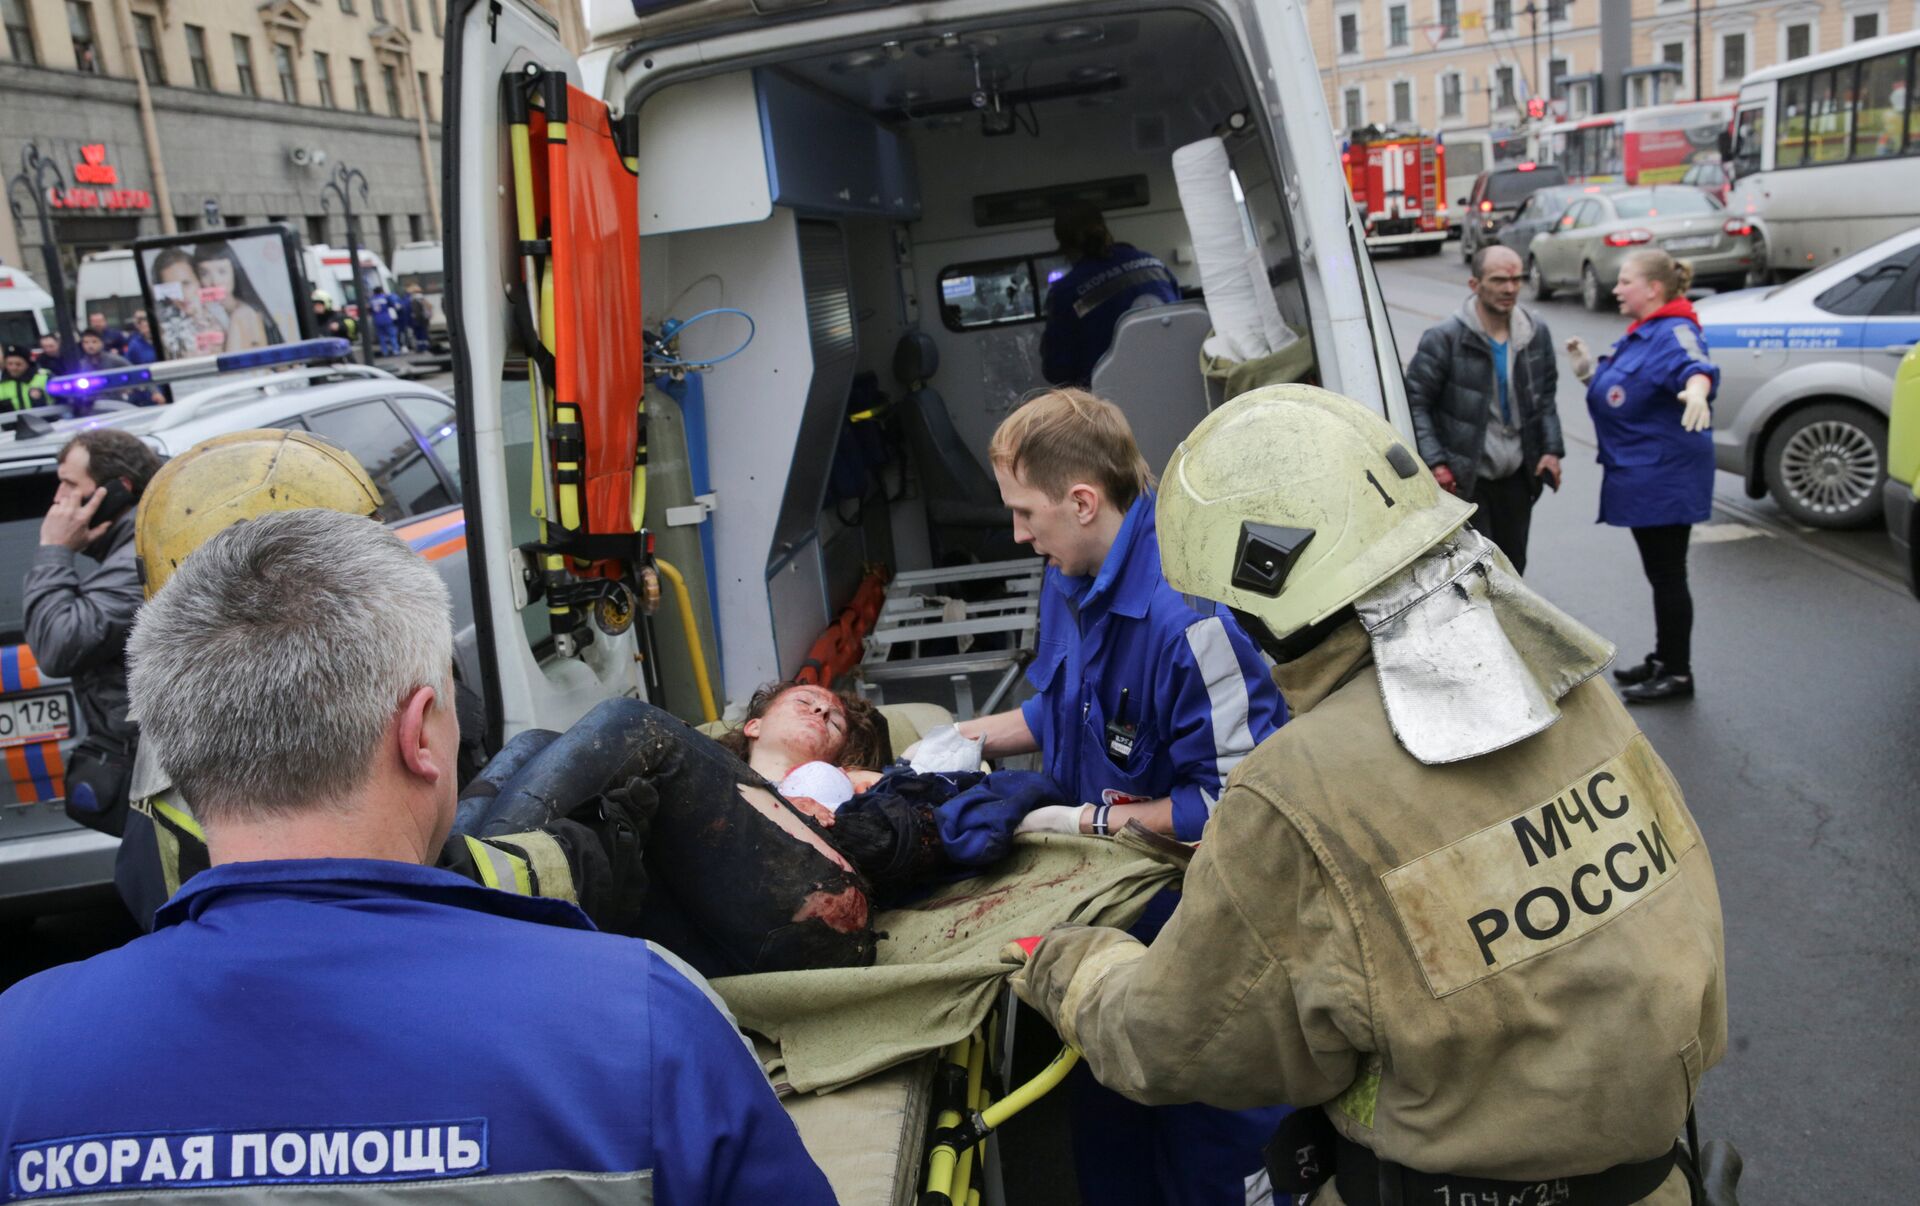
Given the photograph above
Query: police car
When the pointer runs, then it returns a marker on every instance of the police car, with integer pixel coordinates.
(401, 431)
(1807, 373)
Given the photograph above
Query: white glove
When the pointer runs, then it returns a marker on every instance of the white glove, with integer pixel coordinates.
(1052, 818)
(1697, 416)
(1582, 361)
(944, 751)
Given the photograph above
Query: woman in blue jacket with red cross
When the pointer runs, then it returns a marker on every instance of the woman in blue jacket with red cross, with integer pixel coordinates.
(1650, 398)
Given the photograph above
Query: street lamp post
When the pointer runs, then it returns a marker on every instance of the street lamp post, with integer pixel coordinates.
(37, 175)
(1533, 17)
(341, 186)
(1699, 76)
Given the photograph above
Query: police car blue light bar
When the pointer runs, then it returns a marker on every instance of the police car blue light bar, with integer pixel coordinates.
(308, 351)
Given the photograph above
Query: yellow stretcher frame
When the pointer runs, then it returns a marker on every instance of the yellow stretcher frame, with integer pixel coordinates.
(957, 1147)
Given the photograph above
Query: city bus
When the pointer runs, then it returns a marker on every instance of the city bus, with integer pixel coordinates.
(1826, 153)
(1654, 145)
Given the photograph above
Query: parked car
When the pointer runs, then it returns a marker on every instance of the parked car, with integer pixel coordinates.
(1902, 490)
(1807, 381)
(1711, 178)
(1543, 209)
(1595, 236)
(1497, 195)
(401, 431)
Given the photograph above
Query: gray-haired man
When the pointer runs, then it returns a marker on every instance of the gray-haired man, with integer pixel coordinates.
(351, 1016)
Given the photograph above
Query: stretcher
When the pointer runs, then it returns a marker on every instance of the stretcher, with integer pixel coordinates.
(890, 1071)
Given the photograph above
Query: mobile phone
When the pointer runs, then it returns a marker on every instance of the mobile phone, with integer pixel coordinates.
(119, 498)
(1547, 478)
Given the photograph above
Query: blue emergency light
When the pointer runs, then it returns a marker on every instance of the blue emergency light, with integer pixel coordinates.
(308, 351)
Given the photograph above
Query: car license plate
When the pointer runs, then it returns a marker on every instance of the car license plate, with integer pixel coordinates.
(36, 718)
(1693, 243)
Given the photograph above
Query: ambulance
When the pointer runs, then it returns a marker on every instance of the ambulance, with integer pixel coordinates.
(738, 296)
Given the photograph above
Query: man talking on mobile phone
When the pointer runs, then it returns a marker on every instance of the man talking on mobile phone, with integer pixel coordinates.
(78, 613)
(1481, 389)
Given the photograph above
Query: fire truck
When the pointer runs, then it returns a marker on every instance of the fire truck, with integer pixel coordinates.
(1398, 180)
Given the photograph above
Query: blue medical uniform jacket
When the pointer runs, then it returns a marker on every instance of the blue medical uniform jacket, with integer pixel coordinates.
(1084, 305)
(1198, 694)
(1654, 471)
(347, 1022)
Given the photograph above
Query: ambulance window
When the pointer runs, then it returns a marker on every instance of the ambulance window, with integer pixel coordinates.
(389, 452)
(989, 293)
(433, 419)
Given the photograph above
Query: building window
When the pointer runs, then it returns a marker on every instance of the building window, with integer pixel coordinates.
(390, 81)
(19, 31)
(1502, 15)
(416, 228)
(1864, 26)
(243, 65)
(413, 15)
(1556, 72)
(146, 39)
(86, 44)
(426, 97)
(1449, 18)
(1349, 33)
(1403, 102)
(346, 6)
(1799, 41)
(1733, 56)
(379, 10)
(439, 23)
(1450, 94)
(323, 76)
(289, 81)
(1504, 97)
(386, 236)
(361, 100)
(1396, 25)
(197, 56)
(1556, 10)
(317, 229)
(1355, 103)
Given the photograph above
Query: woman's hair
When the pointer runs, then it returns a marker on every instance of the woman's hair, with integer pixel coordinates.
(242, 285)
(170, 258)
(868, 744)
(1673, 276)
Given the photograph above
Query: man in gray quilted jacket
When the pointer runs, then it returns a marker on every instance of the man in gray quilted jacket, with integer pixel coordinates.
(1481, 387)
(79, 612)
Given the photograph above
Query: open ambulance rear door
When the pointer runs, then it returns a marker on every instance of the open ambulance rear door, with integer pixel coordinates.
(535, 676)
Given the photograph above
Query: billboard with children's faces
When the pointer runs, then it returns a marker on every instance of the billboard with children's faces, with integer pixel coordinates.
(213, 292)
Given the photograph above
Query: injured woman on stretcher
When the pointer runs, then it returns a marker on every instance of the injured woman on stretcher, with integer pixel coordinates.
(767, 849)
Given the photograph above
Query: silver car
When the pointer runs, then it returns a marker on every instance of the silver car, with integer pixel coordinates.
(1587, 246)
(1806, 381)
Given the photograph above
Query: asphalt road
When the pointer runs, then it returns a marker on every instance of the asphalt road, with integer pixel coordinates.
(1798, 759)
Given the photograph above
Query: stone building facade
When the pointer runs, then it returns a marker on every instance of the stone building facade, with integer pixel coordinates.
(1472, 65)
(250, 107)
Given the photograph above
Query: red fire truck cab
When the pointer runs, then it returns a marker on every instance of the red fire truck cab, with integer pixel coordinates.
(1398, 180)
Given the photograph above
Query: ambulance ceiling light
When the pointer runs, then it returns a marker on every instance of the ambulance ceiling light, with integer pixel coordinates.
(1093, 74)
(952, 45)
(859, 60)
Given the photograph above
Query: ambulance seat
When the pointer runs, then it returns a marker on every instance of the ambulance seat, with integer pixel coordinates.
(1151, 371)
(959, 492)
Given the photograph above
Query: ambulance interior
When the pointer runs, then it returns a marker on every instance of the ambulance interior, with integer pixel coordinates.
(883, 209)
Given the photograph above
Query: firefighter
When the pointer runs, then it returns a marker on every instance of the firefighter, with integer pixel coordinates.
(591, 857)
(1457, 903)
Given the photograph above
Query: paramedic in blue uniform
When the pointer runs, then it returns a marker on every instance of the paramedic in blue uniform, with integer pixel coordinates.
(1144, 706)
(320, 1008)
(1107, 279)
(1650, 398)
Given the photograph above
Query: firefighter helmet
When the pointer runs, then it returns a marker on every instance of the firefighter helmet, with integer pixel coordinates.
(1290, 502)
(226, 479)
